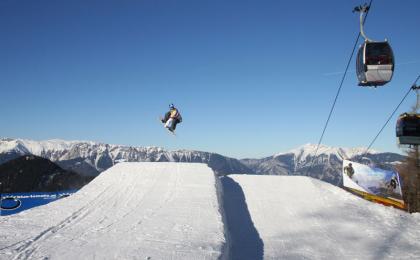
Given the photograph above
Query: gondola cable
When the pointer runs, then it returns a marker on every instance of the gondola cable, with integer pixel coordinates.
(413, 87)
(339, 90)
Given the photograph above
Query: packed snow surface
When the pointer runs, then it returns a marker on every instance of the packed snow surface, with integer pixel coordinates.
(131, 211)
(182, 211)
(299, 217)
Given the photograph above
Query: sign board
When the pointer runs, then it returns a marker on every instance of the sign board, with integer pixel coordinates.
(375, 184)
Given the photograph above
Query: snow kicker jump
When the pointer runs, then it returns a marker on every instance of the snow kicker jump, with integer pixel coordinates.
(131, 211)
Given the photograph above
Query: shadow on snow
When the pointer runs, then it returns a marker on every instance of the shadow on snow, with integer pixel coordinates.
(245, 242)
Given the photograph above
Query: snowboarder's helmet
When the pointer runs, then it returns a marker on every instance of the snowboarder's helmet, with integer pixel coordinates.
(171, 106)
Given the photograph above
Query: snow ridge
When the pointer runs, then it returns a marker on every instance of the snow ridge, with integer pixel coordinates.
(58, 146)
(308, 150)
(57, 149)
(93, 157)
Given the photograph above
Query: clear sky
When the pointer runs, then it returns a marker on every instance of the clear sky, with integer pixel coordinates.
(251, 78)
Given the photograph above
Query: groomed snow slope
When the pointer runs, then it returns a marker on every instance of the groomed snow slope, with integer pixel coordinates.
(131, 211)
(302, 218)
(171, 211)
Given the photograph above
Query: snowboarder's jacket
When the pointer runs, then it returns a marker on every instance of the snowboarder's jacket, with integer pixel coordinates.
(173, 113)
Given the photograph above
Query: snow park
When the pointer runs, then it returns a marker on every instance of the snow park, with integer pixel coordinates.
(226, 130)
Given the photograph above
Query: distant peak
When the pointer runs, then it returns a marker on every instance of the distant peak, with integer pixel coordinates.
(311, 150)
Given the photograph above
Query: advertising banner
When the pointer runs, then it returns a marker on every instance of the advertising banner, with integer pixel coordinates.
(372, 183)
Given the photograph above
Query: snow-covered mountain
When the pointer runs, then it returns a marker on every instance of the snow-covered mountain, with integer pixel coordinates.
(91, 158)
(309, 150)
(326, 163)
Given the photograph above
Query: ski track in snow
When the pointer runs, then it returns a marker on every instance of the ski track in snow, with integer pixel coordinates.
(183, 211)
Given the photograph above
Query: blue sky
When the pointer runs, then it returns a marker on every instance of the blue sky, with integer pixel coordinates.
(251, 78)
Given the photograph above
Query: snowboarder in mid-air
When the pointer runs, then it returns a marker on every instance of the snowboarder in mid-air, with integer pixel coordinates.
(172, 118)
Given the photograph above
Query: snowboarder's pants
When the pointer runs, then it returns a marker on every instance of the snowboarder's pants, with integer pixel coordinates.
(167, 116)
(171, 123)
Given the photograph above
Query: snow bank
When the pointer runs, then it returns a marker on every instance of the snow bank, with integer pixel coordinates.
(131, 211)
(302, 218)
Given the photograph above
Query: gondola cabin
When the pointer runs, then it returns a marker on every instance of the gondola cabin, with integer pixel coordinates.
(375, 64)
(408, 129)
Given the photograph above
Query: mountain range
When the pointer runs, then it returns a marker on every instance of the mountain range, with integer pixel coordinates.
(90, 158)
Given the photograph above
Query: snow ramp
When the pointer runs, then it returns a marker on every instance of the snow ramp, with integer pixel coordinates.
(299, 217)
(131, 211)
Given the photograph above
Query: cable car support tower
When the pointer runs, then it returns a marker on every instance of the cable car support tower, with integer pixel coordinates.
(417, 111)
